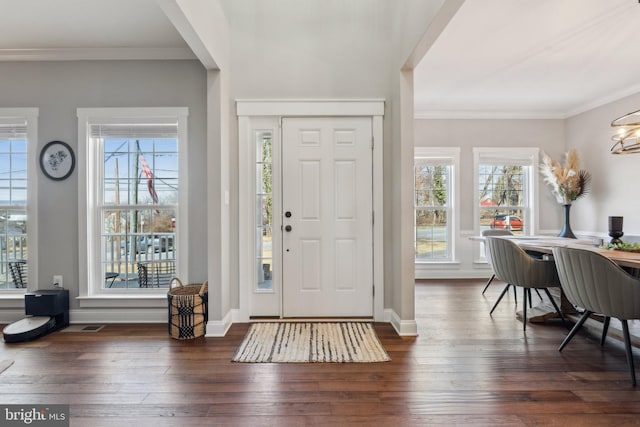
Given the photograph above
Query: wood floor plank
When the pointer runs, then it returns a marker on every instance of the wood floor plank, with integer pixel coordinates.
(464, 368)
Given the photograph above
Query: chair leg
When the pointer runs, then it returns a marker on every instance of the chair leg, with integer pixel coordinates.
(575, 329)
(627, 346)
(493, 276)
(515, 295)
(529, 295)
(605, 329)
(553, 302)
(504, 291)
(539, 296)
(524, 308)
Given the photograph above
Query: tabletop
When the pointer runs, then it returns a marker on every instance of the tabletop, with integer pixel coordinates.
(545, 244)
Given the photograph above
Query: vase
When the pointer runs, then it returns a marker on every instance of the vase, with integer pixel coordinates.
(566, 229)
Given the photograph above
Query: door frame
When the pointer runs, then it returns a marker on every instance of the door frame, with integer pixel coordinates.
(246, 110)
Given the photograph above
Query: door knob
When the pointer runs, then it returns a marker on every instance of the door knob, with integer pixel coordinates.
(288, 228)
(287, 214)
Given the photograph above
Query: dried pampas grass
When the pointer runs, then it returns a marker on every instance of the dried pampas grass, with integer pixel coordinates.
(568, 182)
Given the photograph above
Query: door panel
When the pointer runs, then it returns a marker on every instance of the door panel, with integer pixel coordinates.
(327, 186)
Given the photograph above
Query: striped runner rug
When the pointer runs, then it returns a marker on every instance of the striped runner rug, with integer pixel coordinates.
(289, 342)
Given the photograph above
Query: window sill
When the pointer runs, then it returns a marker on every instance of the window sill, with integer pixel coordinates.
(437, 264)
(123, 301)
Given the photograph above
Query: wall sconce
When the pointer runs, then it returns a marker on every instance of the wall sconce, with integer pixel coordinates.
(627, 137)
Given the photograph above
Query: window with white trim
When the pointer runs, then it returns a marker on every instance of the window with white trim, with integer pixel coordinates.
(135, 193)
(17, 181)
(505, 190)
(435, 192)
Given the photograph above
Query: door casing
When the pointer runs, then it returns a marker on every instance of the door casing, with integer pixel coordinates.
(253, 115)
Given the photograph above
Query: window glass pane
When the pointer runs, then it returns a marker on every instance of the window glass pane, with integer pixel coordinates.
(13, 213)
(432, 208)
(431, 183)
(140, 171)
(431, 234)
(141, 175)
(264, 211)
(502, 196)
(139, 248)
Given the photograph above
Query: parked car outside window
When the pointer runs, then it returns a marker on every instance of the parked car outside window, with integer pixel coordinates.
(508, 222)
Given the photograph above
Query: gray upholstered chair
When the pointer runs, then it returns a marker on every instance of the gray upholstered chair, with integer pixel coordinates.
(515, 267)
(494, 232)
(598, 285)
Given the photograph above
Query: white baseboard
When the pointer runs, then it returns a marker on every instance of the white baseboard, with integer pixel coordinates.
(10, 315)
(96, 315)
(219, 328)
(453, 274)
(404, 328)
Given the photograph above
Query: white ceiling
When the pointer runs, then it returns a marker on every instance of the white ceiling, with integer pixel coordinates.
(87, 29)
(523, 58)
(496, 58)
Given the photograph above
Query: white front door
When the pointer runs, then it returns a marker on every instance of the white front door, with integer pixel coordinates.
(327, 236)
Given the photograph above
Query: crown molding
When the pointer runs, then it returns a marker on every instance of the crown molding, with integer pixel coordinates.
(97, 54)
(422, 113)
(616, 96)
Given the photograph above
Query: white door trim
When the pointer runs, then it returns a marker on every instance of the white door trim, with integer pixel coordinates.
(275, 109)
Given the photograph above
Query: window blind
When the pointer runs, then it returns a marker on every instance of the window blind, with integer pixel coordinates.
(13, 130)
(141, 131)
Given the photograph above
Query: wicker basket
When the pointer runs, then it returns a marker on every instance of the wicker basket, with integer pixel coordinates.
(187, 309)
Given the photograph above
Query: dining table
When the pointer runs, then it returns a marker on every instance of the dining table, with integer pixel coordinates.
(544, 245)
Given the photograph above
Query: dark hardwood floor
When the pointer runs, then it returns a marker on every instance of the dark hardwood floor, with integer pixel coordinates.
(465, 368)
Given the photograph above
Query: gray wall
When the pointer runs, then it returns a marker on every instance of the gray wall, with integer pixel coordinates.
(547, 135)
(58, 89)
(309, 57)
(614, 188)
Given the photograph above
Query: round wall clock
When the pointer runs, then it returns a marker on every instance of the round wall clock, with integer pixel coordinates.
(57, 160)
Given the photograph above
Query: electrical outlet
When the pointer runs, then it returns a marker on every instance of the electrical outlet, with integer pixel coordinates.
(57, 281)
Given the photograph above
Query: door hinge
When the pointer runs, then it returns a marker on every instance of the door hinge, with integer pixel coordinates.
(372, 142)
(373, 288)
(373, 217)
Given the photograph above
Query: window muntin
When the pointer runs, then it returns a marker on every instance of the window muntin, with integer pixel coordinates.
(264, 210)
(505, 182)
(502, 194)
(434, 201)
(13, 203)
(138, 205)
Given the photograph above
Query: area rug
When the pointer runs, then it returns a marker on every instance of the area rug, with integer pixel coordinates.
(4, 364)
(291, 342)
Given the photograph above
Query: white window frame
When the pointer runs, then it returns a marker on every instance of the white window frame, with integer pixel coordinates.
(525, 156)
(449, 156)
(91, 290)
(30, 117)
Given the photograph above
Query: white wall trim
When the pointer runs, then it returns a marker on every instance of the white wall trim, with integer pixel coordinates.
(219, 328)
(374, 108)
(424, 113)
(96, 315)
(404, 328)
(90, 275)
(453, 274)
(319, 107)
(93, 54)
(10, 316)
(126, 302)
(30, 115)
